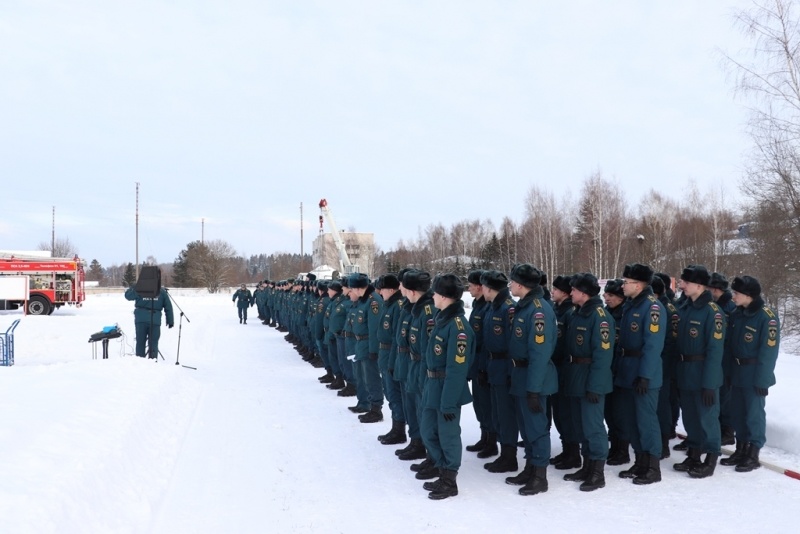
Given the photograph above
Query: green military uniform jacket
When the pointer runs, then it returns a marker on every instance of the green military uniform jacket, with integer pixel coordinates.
(365, 325)
(753, 341)
(422, 320)
(590, 342)
(448, 355)
(642, 332)
(701, 339)
(532, 340)
(141, 312)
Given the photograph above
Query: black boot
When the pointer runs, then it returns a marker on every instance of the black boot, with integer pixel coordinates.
(664, 447)
(481, 443)
(651, 472)
(558, 457)
(447, 486)
(374, 415)
(639, 465)
(357, 409)
(706, 469)
(728, 435)
(429, 472)
(737, 456)
(337, 384)
(537, 483)
(506, 462)
(581, 474)
(347, 391)
(327, 378)
(750, 460)
(682, 446)
(396, 435)
(490, 447)
(596, 478)
(522, 478)
(621, 454)
(317, 362)
(572, 457)
(692, 460)
(416, 451)
(435, 484)
(424, 464)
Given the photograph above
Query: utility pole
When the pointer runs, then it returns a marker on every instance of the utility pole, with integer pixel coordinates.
(302, 260)
(137, 230)
(53, 234)
(202, 230)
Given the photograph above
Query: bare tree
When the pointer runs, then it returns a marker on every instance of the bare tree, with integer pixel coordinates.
(63, 248)
(212, 263)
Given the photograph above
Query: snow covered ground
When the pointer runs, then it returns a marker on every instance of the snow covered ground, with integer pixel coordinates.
(251, 442)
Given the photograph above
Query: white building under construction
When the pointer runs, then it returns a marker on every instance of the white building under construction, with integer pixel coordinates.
(360, 248)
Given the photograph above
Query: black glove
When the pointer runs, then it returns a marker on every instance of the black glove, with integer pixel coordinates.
(483, 378)
(592, 397)
(373, 356)
(640, 385)
(170, 325)
(533, 403)
(762, 392)
(449, 416)
(708, 397)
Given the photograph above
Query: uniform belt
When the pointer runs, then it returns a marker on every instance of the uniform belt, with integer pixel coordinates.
(360, 338)
(519, 363)
(348, 334)
(414, 356)
(402, 349)
(498, 355)
(573, 359)
(628, 353)
(746, 361)
(384, 346)
(692, 357)
(436, 374)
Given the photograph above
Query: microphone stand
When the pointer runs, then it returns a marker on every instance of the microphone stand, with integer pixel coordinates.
(180, 328)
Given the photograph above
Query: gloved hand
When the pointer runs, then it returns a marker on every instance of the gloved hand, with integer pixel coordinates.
(373, 356)
(592, 397)
(762, 392)
(170, 325)
(352, 357)
(708, 397)
(533, 403)
(640, 385)
(449, 416)
(483, 378)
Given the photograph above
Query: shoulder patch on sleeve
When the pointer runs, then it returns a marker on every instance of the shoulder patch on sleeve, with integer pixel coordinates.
(605, 335)
(375, 307)
(655, 315)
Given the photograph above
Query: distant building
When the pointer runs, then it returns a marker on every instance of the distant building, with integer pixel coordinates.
(360, 248)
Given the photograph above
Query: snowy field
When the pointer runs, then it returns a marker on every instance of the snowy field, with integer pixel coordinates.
(251, 442)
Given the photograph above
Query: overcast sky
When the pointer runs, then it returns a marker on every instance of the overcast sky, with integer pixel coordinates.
(401, 114)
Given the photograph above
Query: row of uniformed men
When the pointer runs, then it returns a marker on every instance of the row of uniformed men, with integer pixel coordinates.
(571, 360)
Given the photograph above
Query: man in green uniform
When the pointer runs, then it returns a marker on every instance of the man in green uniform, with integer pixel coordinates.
(388, 286)
(147, 320)
(245, 299)
(532, 340)
(481, 394)
(639, 372)
(365, 331)
(718, 285)
(587, 378)
(753, 341)
(701, 338)
(563, 308)
(619, 454)
(448, 355)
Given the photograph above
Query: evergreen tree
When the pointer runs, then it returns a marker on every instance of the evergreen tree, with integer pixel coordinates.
(129, 278)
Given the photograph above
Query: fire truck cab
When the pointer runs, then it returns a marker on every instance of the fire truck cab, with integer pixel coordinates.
(53, 282)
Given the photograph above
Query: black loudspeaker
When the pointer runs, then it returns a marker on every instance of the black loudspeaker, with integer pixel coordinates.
(149, 283)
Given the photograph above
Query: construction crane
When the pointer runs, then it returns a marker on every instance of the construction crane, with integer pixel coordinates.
(345, 265)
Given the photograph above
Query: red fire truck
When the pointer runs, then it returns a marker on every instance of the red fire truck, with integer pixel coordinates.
(53, 282)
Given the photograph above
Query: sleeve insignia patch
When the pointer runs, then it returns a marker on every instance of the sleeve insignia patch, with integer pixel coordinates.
(718, 326)
(772, 333)
(375, 307)
(655, 315)
(605, 335)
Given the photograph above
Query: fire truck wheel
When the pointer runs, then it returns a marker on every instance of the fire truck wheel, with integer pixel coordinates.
(38, 306)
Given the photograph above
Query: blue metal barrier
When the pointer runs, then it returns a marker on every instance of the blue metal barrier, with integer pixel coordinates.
(7, 345)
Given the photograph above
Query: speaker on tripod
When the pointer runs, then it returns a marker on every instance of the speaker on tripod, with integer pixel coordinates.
(149, 283)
